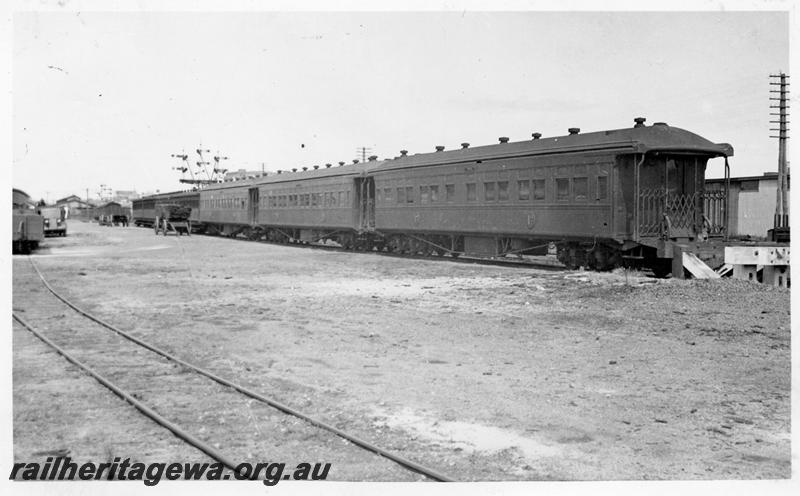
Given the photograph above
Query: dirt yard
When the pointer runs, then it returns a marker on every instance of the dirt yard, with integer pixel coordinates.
(481, 372)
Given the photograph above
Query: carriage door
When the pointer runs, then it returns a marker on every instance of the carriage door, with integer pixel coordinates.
(365, 198)
(252, 210)
(682, 201)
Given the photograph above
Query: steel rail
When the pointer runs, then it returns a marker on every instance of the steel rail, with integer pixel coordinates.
(409, 464)
(150, 413)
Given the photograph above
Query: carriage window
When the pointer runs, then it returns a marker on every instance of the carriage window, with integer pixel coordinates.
(502, 190)
(602, 187)
(450, 192)
(524, 188)
(472, 194)
(538, 189)
(401, 195)
(387, 193)
(562, 189)
(434, 193)
(580, 187)
(488, 191)
(410, 194)
(423, 194)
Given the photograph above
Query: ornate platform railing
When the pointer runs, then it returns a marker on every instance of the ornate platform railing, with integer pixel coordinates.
(670, 215)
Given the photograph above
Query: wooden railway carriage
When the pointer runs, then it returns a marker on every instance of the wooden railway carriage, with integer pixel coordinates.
(309, 206)
(112, 214)
(602, 197)
(144, 209)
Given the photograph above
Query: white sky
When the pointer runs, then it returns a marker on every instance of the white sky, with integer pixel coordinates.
(106, 98)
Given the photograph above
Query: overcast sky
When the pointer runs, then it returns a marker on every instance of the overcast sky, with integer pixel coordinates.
(106, 98)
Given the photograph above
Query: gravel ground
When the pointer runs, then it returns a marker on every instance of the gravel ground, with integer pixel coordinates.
(481, 372)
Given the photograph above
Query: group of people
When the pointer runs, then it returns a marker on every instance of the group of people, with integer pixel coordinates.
(113, 220)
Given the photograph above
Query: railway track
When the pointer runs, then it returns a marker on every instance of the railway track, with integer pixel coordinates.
(157, 383)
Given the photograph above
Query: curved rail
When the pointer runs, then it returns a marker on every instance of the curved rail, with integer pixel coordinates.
(152, 414)
(408, 464)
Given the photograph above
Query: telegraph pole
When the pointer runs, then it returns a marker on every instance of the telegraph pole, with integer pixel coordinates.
(780, 231)
(362, 151)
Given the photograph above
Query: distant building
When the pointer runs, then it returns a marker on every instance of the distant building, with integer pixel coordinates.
(74, 205)
(73, 201)
(752, 203)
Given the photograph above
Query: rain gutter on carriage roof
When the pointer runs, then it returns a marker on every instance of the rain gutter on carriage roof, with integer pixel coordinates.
(284, 176)
(656, 138)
